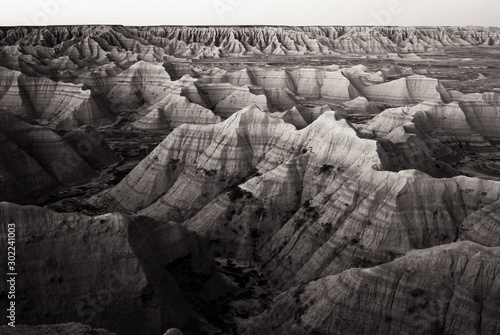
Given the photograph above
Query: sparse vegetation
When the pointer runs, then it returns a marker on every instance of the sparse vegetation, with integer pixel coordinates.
(298, 292)
(254, 173)
(174, 163)
(326, 169)
(327, 226)
(236, 192)
(209, 173)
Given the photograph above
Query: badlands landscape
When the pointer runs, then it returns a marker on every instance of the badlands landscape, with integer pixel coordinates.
(251, 180)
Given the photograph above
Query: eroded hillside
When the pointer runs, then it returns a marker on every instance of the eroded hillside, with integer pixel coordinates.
(249, 180)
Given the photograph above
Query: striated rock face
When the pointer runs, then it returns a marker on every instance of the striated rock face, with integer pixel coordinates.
(282, 86)
(292, 116)
(447, 289)
(314, 202)
(97, 270)
(36, 161)
(60, 104)
(87, 75)
(150, 43)
(446, 132)
(371, 218)
(399, 92)
(142, 82)
(90, 144)
(323, 182)
(238, 100)
(448, 123)
(173, 331)
(192, 155)
(161, 103)
(360, 105)
(52, 152)
(357, 90)
(483, 114)
(22, 178)
(177, 111)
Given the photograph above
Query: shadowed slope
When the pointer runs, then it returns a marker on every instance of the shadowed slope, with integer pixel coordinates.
(111, 271)
(447, 289)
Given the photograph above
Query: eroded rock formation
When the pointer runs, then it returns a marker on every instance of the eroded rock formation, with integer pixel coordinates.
(95, 270)
(149, 43)
(70, 328)
(457, 292)
(341, 198)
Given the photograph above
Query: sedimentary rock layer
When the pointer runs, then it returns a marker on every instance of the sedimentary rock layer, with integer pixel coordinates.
(51, 151)
(61, 104)
(96, 270)
(152, 42)
(447, 289)
(36, 161)
(22, 178)
(90, 145)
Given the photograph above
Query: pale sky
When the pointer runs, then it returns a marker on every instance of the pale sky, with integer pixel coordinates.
(251, 12)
